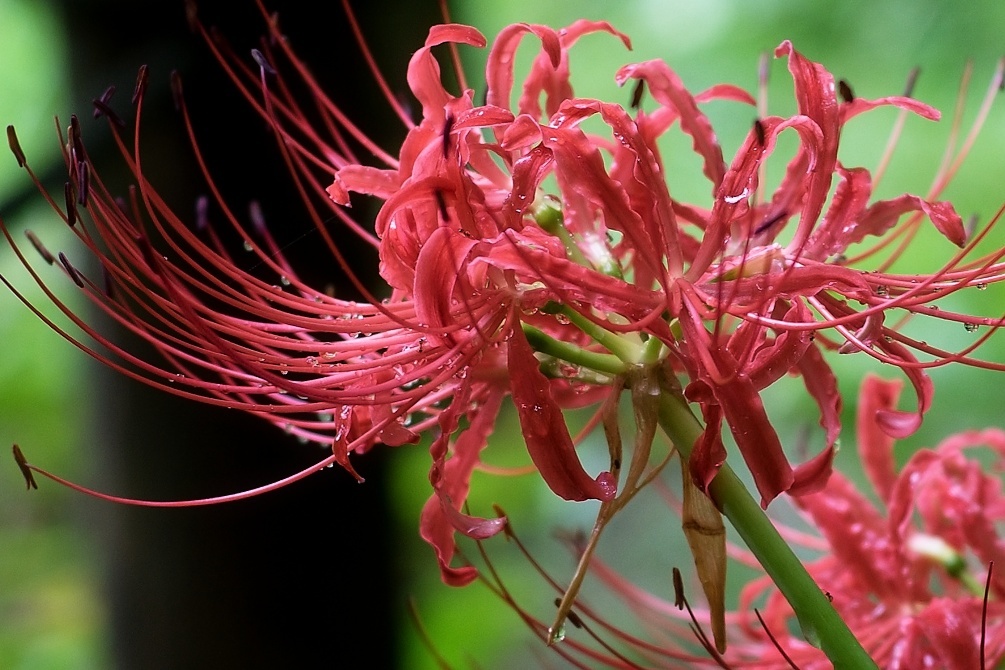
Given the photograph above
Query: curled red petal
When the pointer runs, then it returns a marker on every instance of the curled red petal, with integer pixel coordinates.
(814, 474)
(882, 215)
(841, 225)
(823, 387)
(337, 192)
(744, 413)
(817, 99)
(499, 68)
(875, 446)
(363, 179)
(860, 105)
(424, 71)
(902, 424)
(669, 90)
(708, 453)
(451, 479)
(544, 430)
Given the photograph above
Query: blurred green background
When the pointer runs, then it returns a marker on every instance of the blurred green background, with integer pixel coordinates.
(58, 560)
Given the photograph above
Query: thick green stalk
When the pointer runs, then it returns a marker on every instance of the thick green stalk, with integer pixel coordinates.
(821, 624)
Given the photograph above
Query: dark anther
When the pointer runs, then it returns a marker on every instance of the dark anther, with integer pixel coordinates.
(257, 218)
(406, 105)
(844, 90)
(71, 205)
(146, 250)
(192, 15)
(176, 94)
(640, 88)
(448, 124)
(441, 204)
(141, 84)
(102, 108)
(39, 247)
(984, 612)
(108, 282)
(103, 100)
(763, 69)
(123, 206)
(201, 213)
(274, 27)
(616, 463)
(22, 463)
(912, 79)
(970, 226)
(678, 589)
(70, 270)
(83, 183)
(262, 63)
(15, 146)
(759, 132)
(78, 146)
(999, 74)
(770, 221)
(571, 616)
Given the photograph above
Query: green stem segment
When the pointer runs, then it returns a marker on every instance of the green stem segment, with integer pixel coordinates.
(546, 344)
(821, 624)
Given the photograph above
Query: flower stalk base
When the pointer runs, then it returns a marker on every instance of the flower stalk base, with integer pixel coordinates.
(820, 622)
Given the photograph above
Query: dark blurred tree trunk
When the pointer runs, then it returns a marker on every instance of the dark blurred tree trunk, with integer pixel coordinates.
(297, 578)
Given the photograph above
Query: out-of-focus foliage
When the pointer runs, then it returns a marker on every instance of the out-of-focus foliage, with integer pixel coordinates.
(51, 612)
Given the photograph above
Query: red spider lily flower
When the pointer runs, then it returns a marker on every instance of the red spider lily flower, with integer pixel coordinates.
(507, 231)
(909, 575)
(914, 575)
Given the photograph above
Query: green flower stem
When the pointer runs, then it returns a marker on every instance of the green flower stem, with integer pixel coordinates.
(821, 624)
(625, 348)
(546, 344)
